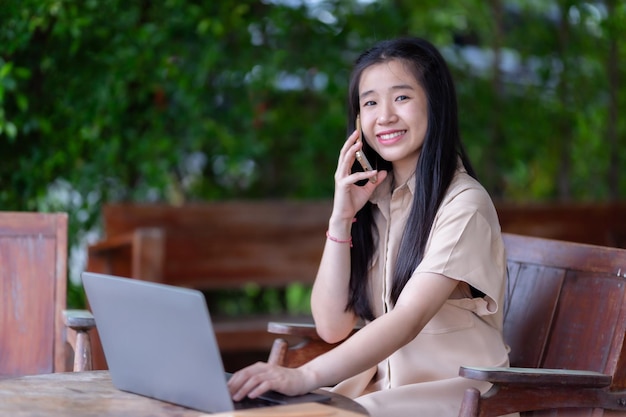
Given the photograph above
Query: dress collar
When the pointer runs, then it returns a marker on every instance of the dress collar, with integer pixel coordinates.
(384, 191)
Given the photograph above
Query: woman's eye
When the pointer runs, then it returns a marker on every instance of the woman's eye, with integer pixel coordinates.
(369, 103)
(400, 98)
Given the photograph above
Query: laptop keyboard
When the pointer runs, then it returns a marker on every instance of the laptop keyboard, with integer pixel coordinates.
(272, 398)
(252, 403)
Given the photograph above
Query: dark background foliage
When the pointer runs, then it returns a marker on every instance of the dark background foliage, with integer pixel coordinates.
(183, 100)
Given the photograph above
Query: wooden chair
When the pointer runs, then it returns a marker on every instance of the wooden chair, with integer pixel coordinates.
(565, 320)
(35, 334)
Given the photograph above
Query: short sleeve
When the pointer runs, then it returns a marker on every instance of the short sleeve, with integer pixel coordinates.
(465, 244)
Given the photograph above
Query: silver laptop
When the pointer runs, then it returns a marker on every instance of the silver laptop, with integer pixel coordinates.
(159, 342)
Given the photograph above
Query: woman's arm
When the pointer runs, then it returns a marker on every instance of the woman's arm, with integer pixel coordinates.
(329, 297)
(331, 287)
(420, 300)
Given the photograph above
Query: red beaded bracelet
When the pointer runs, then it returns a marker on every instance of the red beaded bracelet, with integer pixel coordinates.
(334, 239)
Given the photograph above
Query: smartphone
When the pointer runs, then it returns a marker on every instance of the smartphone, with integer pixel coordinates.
(360, 156)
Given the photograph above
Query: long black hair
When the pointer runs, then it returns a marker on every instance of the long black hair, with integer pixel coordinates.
(435, 168)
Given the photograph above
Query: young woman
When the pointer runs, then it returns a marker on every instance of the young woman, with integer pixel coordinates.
(413, 250)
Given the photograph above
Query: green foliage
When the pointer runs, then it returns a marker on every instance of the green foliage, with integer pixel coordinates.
(182, 100)
(251, 299)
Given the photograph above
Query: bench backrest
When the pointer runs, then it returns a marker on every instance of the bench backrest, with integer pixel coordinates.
(565, 305)
(595, 223)
(227, 244)
(33, 259)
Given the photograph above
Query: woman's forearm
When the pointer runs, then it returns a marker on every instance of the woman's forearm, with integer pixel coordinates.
(420, 300)
(366, 348)
(331, 288)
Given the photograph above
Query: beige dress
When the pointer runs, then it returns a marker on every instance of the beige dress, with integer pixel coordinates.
(421, 379)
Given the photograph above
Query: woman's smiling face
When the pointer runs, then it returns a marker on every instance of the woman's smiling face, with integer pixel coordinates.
(394, 115)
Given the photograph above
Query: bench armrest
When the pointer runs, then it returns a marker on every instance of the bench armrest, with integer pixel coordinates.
(537, 377)
(310, 346)
(79, 322)
(138, 254)
(306, 330)
(529, 389)
(79, 319)
(111, 243)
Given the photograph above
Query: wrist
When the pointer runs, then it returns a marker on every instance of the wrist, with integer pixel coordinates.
(340, 228)
(311, 377)
(339, 231)
(338, 240)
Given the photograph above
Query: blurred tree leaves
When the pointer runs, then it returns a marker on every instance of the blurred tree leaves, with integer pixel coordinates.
(182, 100)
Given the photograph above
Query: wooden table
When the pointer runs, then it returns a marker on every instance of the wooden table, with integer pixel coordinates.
(91, 394)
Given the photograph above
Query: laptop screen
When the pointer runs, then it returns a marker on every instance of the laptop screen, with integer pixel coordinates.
(158, 341)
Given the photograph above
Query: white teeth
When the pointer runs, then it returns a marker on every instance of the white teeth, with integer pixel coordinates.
(392, 135)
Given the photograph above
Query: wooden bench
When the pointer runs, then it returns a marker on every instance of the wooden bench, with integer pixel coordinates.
(216, 246)
(275, 243)
(565, 321)
(595, 223)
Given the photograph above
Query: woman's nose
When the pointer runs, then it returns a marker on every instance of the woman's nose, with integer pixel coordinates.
(387, 115)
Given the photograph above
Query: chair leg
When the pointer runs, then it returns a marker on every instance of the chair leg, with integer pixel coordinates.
(82, 352)
(278, 352)
(470, 404)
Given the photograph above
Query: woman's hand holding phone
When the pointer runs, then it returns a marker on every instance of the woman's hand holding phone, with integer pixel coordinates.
(350, 197)
(360, 156)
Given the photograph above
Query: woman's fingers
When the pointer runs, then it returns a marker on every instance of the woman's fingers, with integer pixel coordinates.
(351, 140)
(359, 176)
(238, 384)
(350, 197)
(347, 155)
(261, 377)
(254, 386)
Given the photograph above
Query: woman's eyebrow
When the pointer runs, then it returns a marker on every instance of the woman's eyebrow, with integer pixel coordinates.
(392, 88)
(366, 93)
(402, 87)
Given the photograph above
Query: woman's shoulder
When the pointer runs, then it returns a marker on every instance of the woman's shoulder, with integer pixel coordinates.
(466, 197)
(465, 188)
